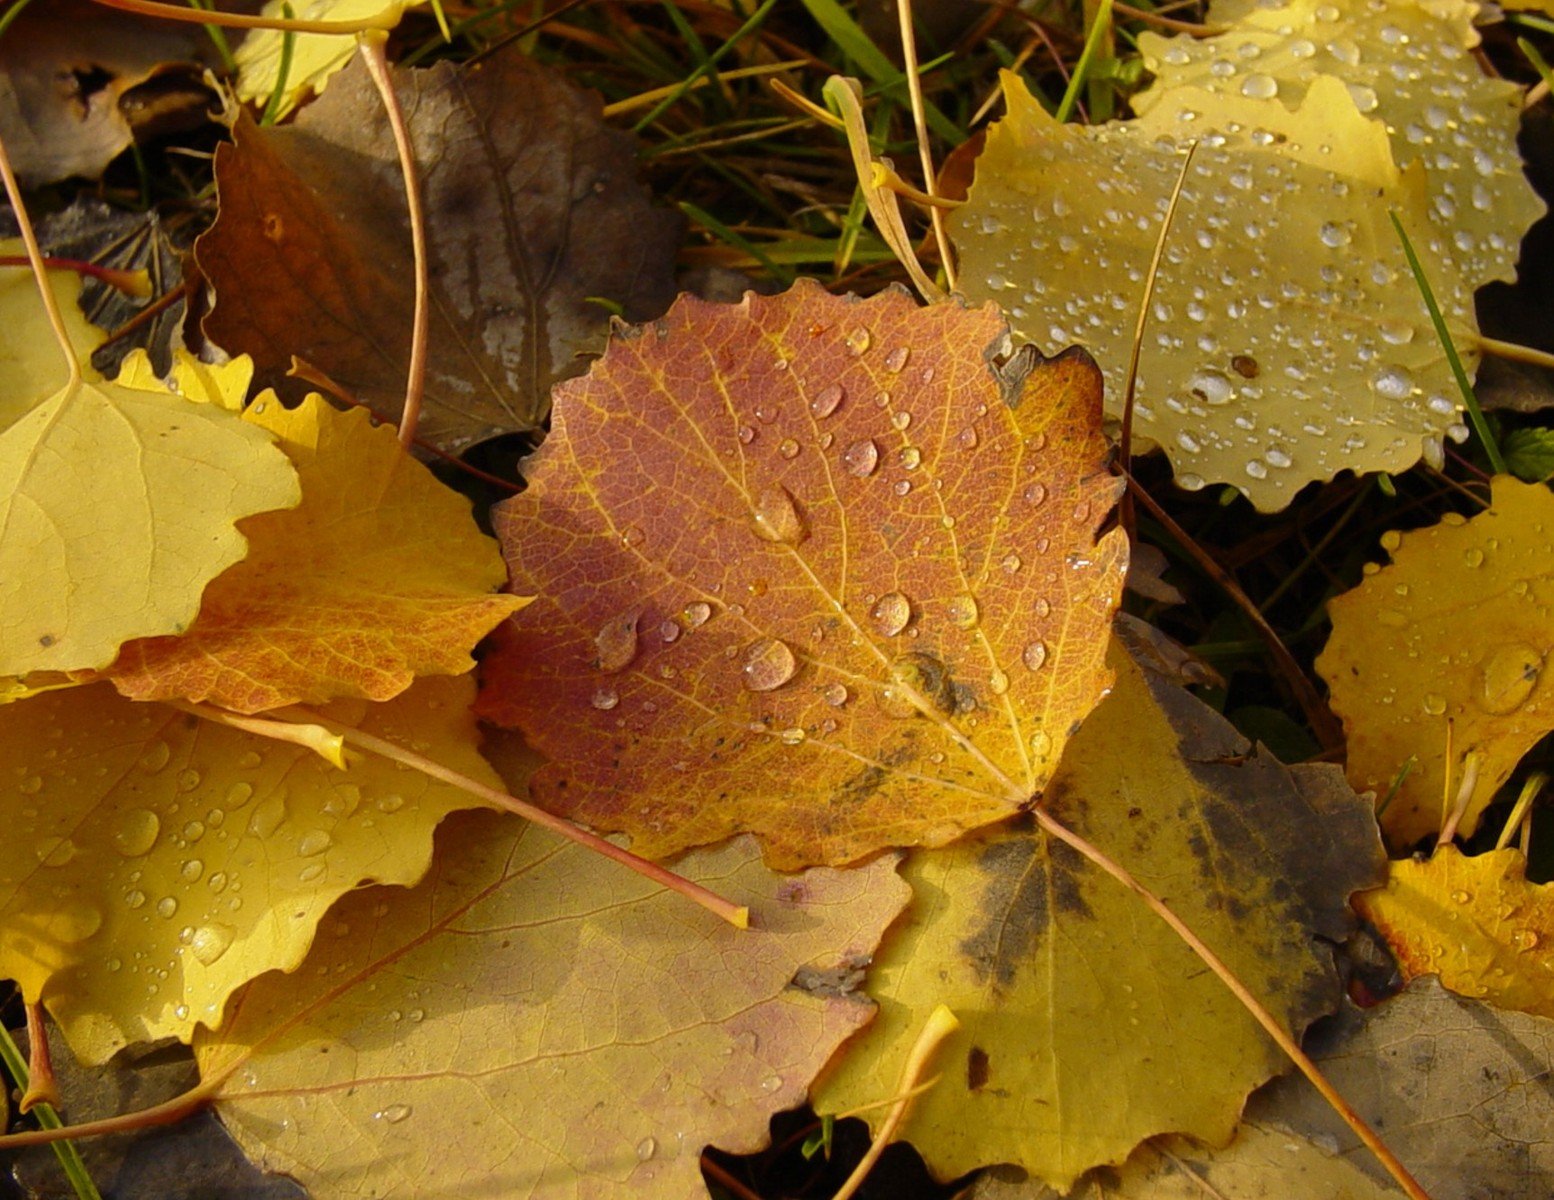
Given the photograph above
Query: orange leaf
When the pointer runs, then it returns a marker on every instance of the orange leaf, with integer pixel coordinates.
(378, 576)
(821, 569)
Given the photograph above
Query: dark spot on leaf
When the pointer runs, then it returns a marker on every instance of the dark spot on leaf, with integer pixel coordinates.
(46, 640)
(1245, 366)
(843, 980)
(976, 1068)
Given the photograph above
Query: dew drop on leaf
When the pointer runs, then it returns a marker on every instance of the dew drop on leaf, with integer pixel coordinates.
(1034, 655)
(1041, 745)
(646, 1148)
(891, 613)
(909, 458)
(393, 1114)
(963, 611)
(155, 757)
(696, 614)
(670, 630)
(134, 898)
(769, 663)
(1011, 564)
(616, 642)
(897, 358)
(137, 832)
(835, 694)
(966, 439)
(166, 907)
(605, 699)
(998, 682)
(859, 340)
(901, 420)
(861, 458)
(788, 448)
(1434, 705)
(792, 737)
(827, 401)
(314, 842)
(777, 518)
(210, 942)
(1509, 676)
(746, 434)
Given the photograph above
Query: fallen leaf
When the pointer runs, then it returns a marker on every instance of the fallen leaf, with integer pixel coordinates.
(571, 1028)
(1265, 1161)
(1406, 64)
(1456, 629)
(810, 567)
(1459, 1090)
(1087, 1025)
(378, 576)
(1477, 923)
(312, 59)
(117, 507)
(533, 216)
(1287, 341)
(155, 862)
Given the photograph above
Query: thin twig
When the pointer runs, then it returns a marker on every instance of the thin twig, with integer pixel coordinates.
(385, 20)
(13, 192)
(920, 128)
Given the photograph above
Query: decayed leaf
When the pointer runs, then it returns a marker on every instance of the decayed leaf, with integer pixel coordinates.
(573, 1030)
(1265, 1162)
(534, 215)
(1458, 629)
(154, 862)
(1087, 1025)
(1287, 341)
(1405, 63)
(813, 568)
(1459, 1090)
(378, 576)
(313, 58)
(1475, 922)
(117, 507)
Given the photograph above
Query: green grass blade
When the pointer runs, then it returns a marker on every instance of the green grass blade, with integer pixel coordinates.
(69, 1157)
(1475, 413)
(756, 19)
(272, 106)
(1098, 28)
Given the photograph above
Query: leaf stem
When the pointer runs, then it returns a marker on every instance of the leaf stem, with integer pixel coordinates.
(209, 16)
(64, 1150)
(920, 129)
(1261, 1015)
(371, 46)
(1515, 352)
(13, 192)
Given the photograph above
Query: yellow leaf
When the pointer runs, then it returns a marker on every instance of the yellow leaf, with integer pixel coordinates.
(572, 1029)
(1475, 922)
(154, 862)
(116, 506)
(378, 576)
(1287, 341)
(223, 384)
(1458, 629)
(1088, 1026)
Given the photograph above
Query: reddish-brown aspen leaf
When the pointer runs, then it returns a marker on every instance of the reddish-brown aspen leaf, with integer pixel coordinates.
(533, 1021)
(534, 216)
(821, 569)
(378, 576)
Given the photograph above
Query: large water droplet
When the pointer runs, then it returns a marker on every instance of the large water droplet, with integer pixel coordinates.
(777, 517)
(861, 458)
(1034, 655)
(998, 682)
(891, 613)
(1041, 746)
(1259, 87)
(136, 832)
(166, 907)
(788, 448)
(909, 458)
(696, 614)
(210, 942)
(859, 340)
(827, 400)
(1434, 705)
(605, 699)
(616, 642)
(769, 663)
(314, 842)
(835, 694)
(1395, 383)
(963, 611)
(154, 757)
(1509, 675)
(393, 1114)
(646, 1148)
(897, 358)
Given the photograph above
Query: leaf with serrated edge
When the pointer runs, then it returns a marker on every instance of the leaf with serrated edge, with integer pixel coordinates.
(802, 571)
(1086, 1024)
(378, 576)
(117, 506)
(574, 1030)
(1457, 629)
(1287, 341)
(154, 862)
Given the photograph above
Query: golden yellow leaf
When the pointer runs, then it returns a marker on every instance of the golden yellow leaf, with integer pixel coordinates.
(1476, 922)
(1287, 341)
(116, 506)
(570, 1028)
(378, 576)
(223, 384)
(154, 862)
(1458, 629)
(1087, 1025)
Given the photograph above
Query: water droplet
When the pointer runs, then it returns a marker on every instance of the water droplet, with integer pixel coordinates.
(134, 898)
(616, 642)
(792, 737)
(191, 870)
(670, 630)
(166, 907)
(646, 1148)
(788, 448)
(188, 779)
(155, 757)
(696, 614)
(1461, 897)
(998, 682)
(1525, 939)
(909, 458)
(210, 942)
(1394, 383)
(605, 699)
(859, 340)
(963, 611)
(861, 458)
(901, 419)
(769, 663)
(136, 832)
(314, 842)
(966, 439)
(901, 487)
(393, 1114)
(1212, 387)
(1509, 675)
(827, 400)
(1011, 564)
(1435, 705)
(897, 358)
(1041, 746)
(745, 434)
(311, 872)
(31, 786)
(891, 613)
(835, 694)
(1391, 540)
(777, 517)
(391, 803)
(1259, 87)
(1034, 494)
(1034, 655)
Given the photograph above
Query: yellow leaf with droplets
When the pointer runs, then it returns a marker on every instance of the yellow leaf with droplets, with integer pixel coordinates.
(117, 506)
(571, 1028)
(1286, 340)
(154, 862)
(1475, 922)
(1405, 63)
(1457, 629)
(1087, 1025)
